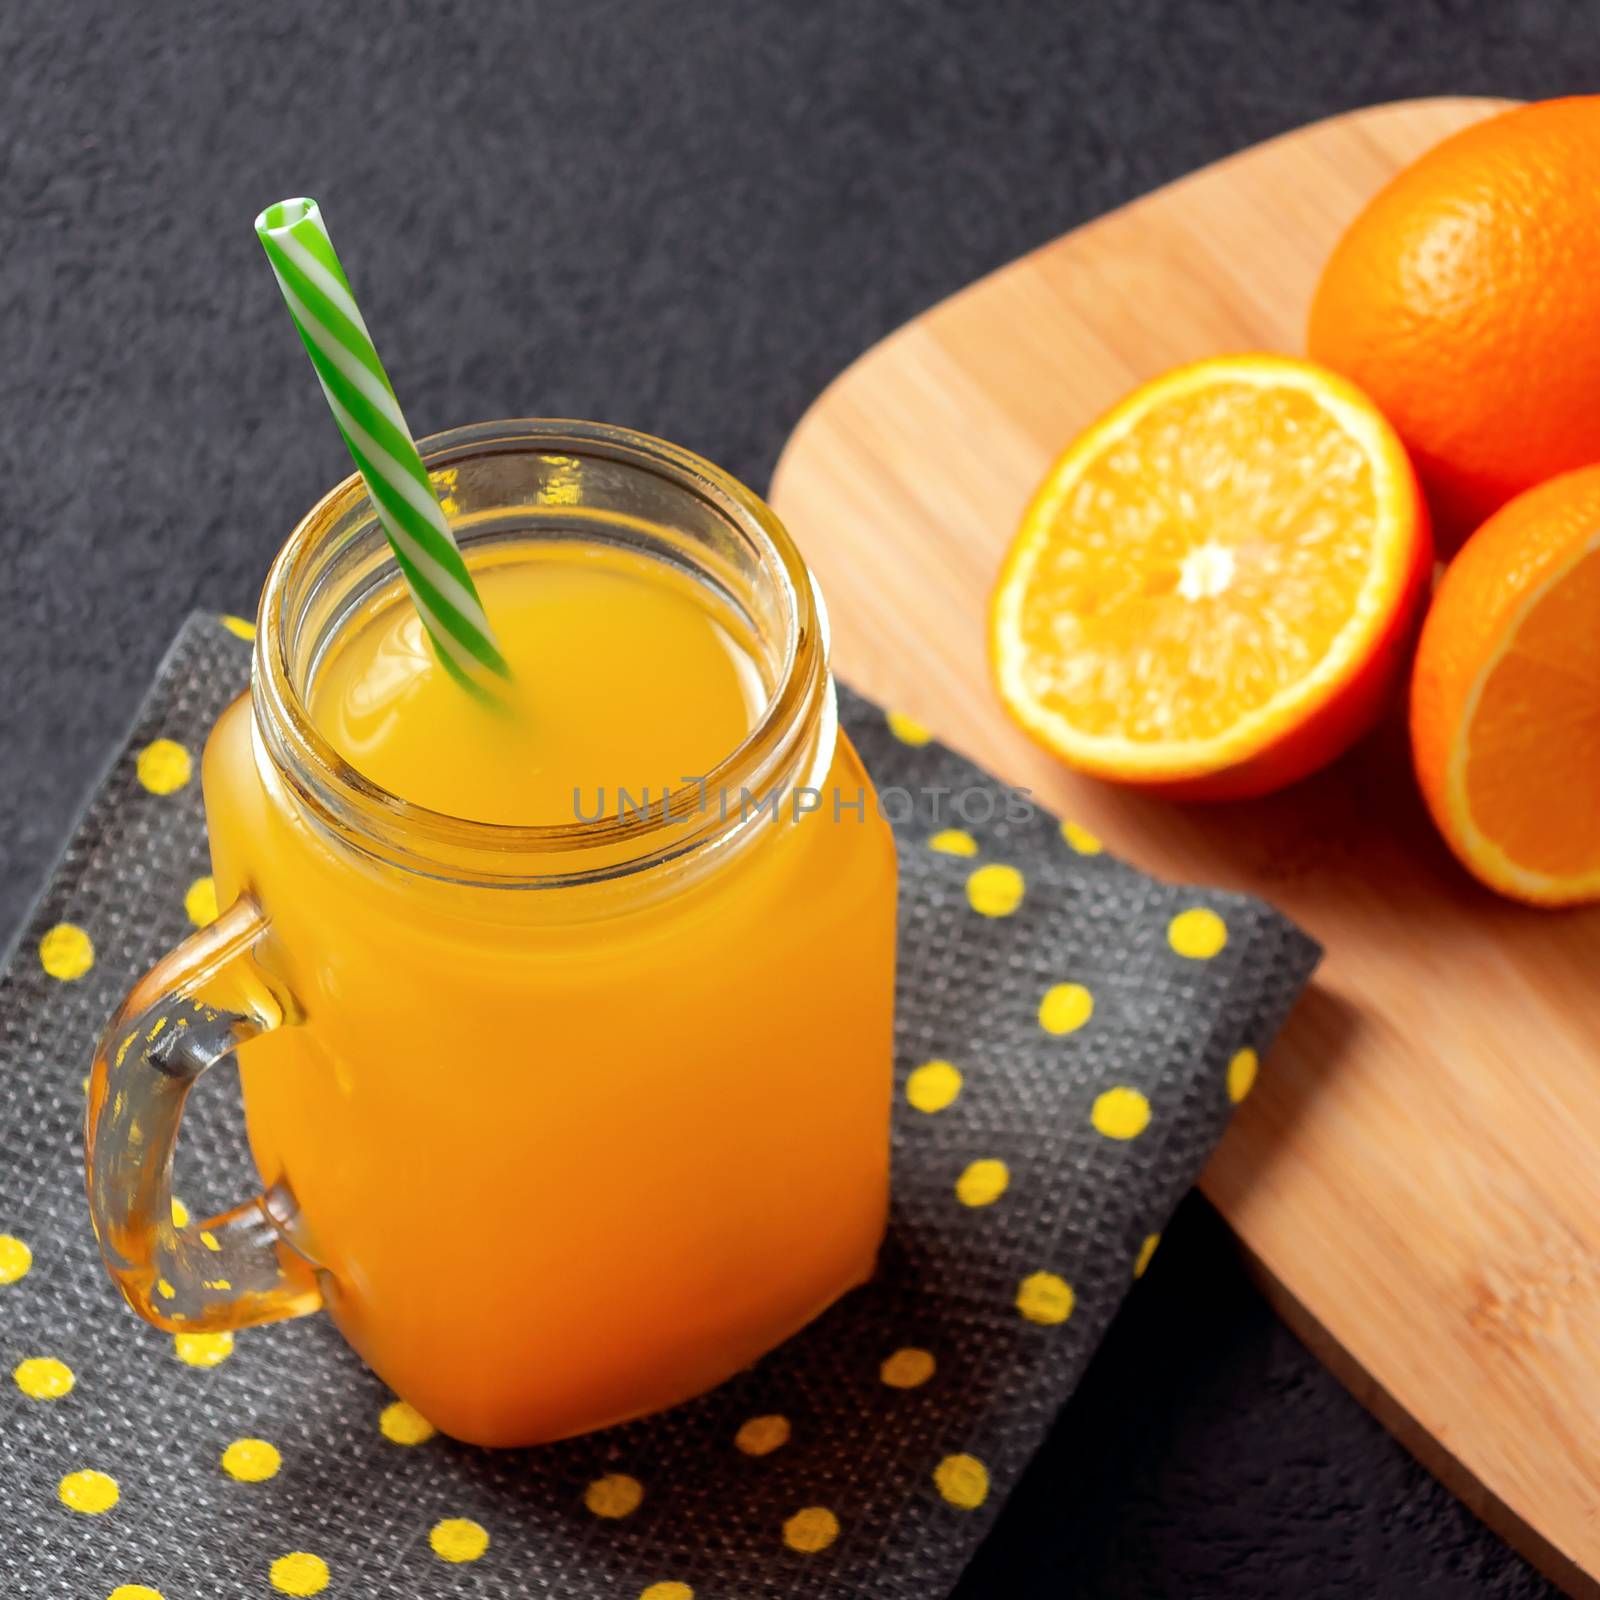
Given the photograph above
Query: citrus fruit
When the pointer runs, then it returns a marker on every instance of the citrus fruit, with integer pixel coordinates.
(1505, 696)
(1211, 591)
(1464, 299)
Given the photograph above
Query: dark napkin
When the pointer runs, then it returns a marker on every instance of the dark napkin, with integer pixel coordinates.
(1094, 1035)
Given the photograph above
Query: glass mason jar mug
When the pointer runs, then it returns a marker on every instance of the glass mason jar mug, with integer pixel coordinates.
(562, 1123)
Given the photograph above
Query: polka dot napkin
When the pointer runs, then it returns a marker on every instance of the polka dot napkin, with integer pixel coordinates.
(1071, 1038)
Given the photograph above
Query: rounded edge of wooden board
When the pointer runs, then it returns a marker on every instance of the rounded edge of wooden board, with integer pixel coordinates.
(1487, 105)
(1436, 1456)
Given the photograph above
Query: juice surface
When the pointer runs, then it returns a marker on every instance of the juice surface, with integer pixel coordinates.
(622, 677)
(566, 1160)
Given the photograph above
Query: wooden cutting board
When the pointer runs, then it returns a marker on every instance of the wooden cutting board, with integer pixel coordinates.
(1417, 1171)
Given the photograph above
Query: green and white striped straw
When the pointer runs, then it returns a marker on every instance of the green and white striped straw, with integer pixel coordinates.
(368, 414)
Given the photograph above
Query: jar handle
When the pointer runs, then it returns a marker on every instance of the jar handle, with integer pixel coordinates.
(190, 1011)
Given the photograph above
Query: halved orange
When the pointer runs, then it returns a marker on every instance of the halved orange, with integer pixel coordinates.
(1505, 698)
(1212, 590)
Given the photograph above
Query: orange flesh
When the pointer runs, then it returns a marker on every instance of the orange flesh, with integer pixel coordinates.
(1216, 551)
(1539, 713)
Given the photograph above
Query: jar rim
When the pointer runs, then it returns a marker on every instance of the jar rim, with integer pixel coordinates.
(413, 836)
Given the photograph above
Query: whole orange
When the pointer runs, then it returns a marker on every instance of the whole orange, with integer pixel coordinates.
(1465, 300)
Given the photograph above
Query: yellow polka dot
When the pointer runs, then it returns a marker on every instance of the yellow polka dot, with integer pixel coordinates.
(1242, 1074)
(1197, 933)
(88, 1492)
(134, 1591)
(43, 1378)
(201, 901)
(209, 1240)
(995, 891)
(667, 1591)
(908, 1368)
(933, 1086)
(1081, 840)
(202, 1349)
(251, 1460)
(180, 1213)
(963, 1481)
(1065, 1008)
(760, 1436)
(1044, 1298)
(66, 952)
(954, 842)
(982, 1183)
(404, 1424)
(239, 627)
(164, 766)
(811, 1530)
(1146, 1250)
(905, 729)
(615, 1495)
(458, 1539)
(15, 1259)
(299, 1573)
(1121, 1113)
(165, 1289)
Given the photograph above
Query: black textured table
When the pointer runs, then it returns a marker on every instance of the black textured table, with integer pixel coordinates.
(686, 216)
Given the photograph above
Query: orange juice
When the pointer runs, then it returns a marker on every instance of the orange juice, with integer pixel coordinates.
(625, 682)
(570, 1133)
